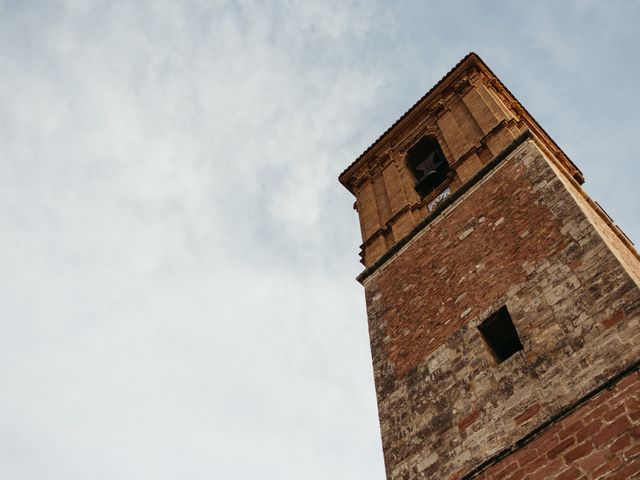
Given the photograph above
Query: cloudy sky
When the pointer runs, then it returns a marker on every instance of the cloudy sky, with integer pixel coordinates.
(177, 297)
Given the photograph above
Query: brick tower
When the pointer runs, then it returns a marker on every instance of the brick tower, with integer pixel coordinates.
(503, 303)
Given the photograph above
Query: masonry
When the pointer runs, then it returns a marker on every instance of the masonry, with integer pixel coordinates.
(517, 232)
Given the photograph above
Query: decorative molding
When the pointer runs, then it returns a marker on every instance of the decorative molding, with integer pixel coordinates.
(438, 109)
(517, 108)
(463, 85)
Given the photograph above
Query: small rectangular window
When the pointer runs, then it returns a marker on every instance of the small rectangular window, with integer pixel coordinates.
(428, 165)
(500, 334)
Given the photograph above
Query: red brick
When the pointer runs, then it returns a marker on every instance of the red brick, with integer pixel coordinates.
(468, 420)
(527, 457)
(576, 416)
(560, 447)
(632, 406)
(576, 264)
(589, 430)
(543, 439)
(616, 317)
(620, 444)
(571, 429)
(600, 407)
(612, 431)
(593, 461)
(547, 470)
(527, 414)
(630, 380)
(488, 473)
(458, 475)
(572, 473)
(632, 452)
(516, 475)
(547, 445)
(627, 472)
(578, 452)
(614, 413)
(608, 467)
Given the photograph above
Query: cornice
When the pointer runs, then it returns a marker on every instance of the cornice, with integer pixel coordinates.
(455, 195)
(426, 102)
(432, 104)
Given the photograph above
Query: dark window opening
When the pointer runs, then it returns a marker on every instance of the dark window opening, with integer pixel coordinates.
(500, 334)
(428, 165)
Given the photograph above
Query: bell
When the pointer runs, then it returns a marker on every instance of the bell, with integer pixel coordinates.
(430, 176)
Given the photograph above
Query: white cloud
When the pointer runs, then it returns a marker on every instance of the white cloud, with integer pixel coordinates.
(158, 165)
(178, 296)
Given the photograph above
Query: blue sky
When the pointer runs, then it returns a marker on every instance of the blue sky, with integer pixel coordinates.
(178, 296)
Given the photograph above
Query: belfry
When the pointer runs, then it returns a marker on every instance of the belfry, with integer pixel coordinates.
(503, 303)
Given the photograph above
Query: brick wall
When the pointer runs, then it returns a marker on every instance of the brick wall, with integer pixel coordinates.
(599, 440)
(516, 238)
(625, 255)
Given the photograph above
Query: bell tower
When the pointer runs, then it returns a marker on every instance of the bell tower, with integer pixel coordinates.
(503, 303)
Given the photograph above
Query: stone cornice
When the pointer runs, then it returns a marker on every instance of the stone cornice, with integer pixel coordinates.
(434, 103)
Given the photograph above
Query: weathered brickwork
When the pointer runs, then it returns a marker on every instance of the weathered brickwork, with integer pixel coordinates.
(599, 440)
(619, 244)
(518, 238)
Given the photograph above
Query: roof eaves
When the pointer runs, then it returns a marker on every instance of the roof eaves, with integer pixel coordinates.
(476, 57)
(411, 109)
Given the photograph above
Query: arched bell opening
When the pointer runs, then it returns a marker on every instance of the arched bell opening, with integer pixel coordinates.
(428, 165)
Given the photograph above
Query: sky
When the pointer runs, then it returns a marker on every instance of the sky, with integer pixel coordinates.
(178, 294)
